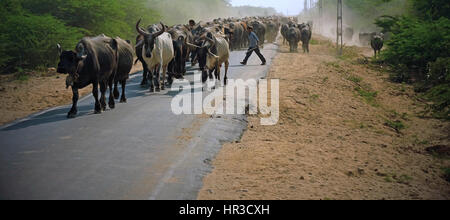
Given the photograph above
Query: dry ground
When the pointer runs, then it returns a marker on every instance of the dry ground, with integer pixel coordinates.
(22, 95)
(345, 132)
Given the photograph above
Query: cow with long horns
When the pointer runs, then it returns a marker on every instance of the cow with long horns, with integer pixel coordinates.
(157, 52)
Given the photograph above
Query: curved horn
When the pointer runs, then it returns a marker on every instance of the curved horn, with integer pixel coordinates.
(59, 49)
(140, 30)
(192, 45)
(210, 53)
(210, 41)
(160, 32)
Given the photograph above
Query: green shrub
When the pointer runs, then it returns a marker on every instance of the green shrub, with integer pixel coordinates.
(29, 40)
(415, 43)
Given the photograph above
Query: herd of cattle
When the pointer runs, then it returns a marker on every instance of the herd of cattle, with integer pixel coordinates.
(105, 62)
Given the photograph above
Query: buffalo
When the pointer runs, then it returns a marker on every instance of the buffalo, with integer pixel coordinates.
(293, 37)
(94, 61)
(306, 35)
(377, 43)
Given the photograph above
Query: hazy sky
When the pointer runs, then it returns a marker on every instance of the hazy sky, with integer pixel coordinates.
(292, 6)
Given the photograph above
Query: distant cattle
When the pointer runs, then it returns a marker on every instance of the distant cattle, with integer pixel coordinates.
(293, 37)
(377, 43)
(284, 32)
(348, 34)
(306, 34)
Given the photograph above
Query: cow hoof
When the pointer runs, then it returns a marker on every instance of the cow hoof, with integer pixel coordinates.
(158, 90)
(97, 112)
(71, 115)
(116, 95)
(123, 100)
(152, 90)
(112, 106)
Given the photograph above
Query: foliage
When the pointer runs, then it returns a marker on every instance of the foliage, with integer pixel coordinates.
(30, 29)
(415, 43)
(432, 9)
(29, 40)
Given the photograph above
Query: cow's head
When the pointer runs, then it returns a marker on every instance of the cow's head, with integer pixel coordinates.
(149, 38)
(211, 58)
(69, 61)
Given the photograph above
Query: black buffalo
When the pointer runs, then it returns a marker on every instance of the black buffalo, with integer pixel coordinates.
(125, 63)
(293, 37)
(306, 34)
(94, 61)
(377, 43)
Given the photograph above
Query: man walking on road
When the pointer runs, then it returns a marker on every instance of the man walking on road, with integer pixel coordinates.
(253, 39)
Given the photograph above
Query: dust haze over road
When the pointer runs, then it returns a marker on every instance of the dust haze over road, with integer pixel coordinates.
(140, 150)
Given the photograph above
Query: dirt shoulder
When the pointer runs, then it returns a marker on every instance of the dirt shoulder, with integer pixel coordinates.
(22, 95)
(345, 132)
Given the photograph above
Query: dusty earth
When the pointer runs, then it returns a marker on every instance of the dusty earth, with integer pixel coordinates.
(25, 94)
(345, 132)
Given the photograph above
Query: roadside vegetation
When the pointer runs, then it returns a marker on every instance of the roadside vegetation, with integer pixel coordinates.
(417, 46)
(30, 29)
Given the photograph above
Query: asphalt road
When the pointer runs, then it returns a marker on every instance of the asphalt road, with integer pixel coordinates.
(140, 150)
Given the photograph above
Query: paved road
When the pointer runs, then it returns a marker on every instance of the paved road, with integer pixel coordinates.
(140, 150)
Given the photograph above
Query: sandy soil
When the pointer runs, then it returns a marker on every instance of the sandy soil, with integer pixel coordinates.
(34, 92)
(331, 142)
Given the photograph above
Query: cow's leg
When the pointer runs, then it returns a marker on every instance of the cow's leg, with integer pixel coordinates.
(73, 111)
(116, 90)
(157, 79)
(225, 78)
(112, 102)
(150, 80)
(210, 75)
(164, 72)
(217, 72)
(98, 108)
(218, 67)
(103, 87)
(144, 74)
(123, 99)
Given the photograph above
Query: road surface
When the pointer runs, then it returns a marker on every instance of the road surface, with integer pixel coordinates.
(140, 150)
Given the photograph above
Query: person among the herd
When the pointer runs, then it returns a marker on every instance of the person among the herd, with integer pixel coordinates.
(253, 42)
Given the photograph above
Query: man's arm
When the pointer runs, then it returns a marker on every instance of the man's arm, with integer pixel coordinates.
(256, 37)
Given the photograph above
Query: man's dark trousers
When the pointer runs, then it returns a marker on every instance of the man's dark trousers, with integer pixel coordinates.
(257, 51)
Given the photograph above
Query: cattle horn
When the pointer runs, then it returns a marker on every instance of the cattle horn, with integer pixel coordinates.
(215, 56)
(211, 41)
(59, 49)
(192, 45)
(160, 32)
(140, 43)
(140, 30)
